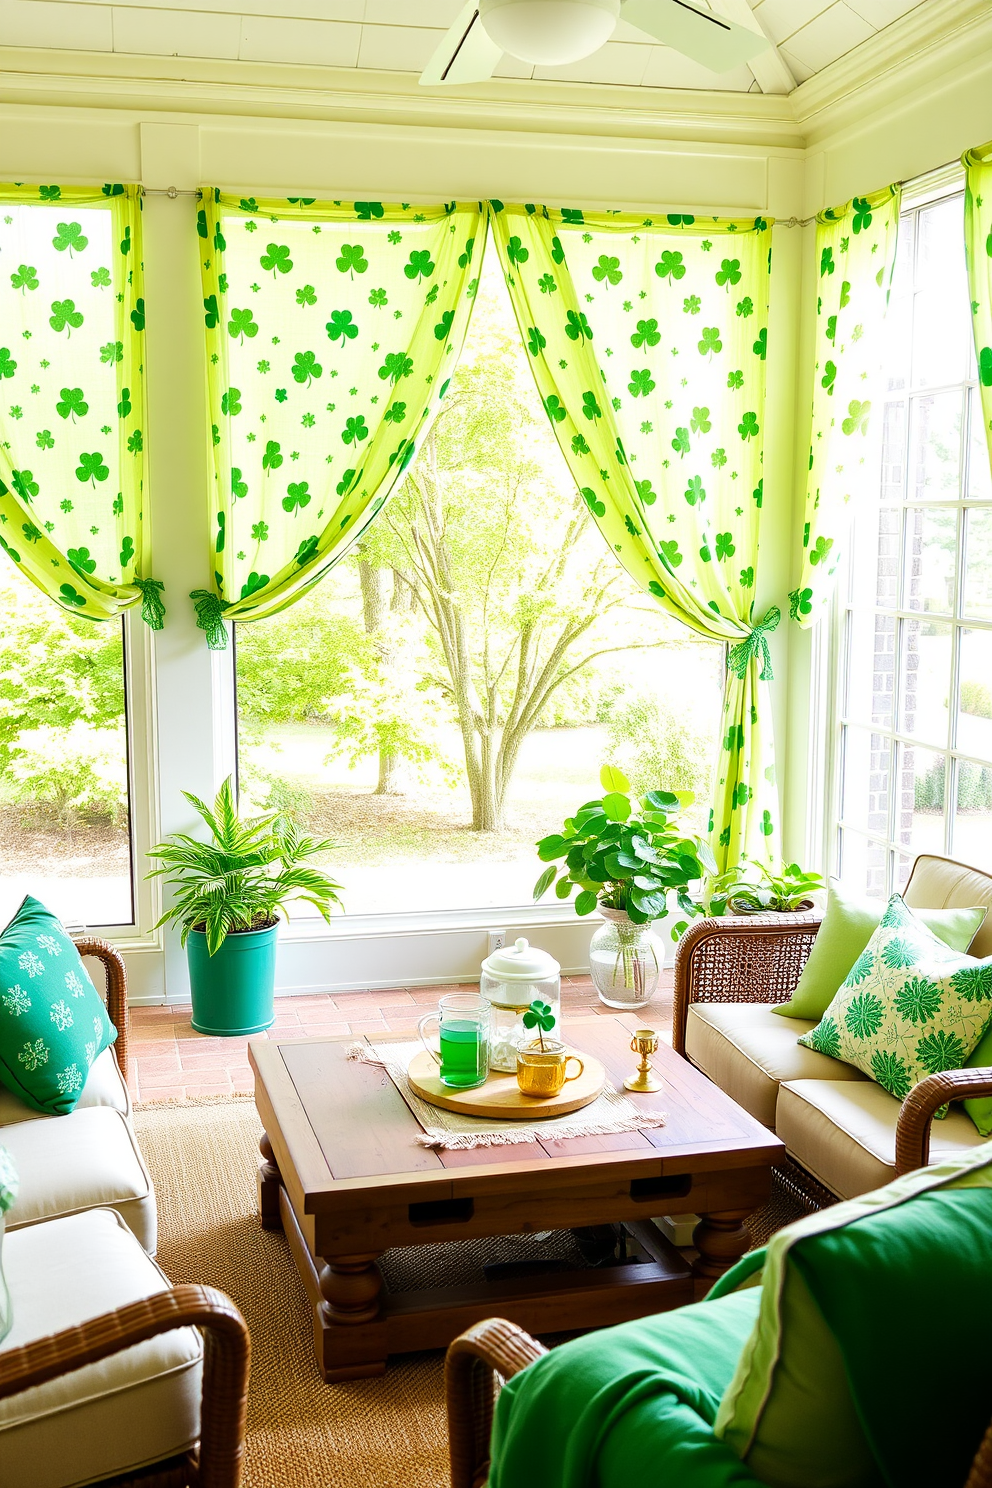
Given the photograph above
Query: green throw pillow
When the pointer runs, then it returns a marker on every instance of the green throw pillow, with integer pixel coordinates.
(846, 1294)
(910, 1006)
(979, 1108)
(848, 925)
(53, 1023)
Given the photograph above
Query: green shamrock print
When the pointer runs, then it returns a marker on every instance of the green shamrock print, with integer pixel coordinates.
(591, 500)
(298, 496)
(695, 494)
(679, 219)
(577, 328)
(729, 273)
(211, 314)
(735, 380)
(918, 999)
(857, 418)
(646, 492)
(31, 532)
(864, 1014)
(515, 252)
(827, 265)
(355, 430)
(891, 1073)
(681, 442)
(745, 307)
(746, 577)
(26, 278)
(590, 407)
(341, 327)
(65, 316)
(535, 341)
(767, 825)
(352, 260)
(691, 305)
(307, 295)
(420, 266)
(396, 365)
(825, 1038)
(49, 193)
(306, 367)
(81, 561)
(100, 278)
(700, 421)
(710, 341)
(861, 214)
(845, 294)
(239, 487)
(135, 442)
(607, 271)
(73, 404)
(230, 402)
(973, 983)
(725, 546)
(395, 413)
(364, 211)
(647, 334)
(641, 383)
(127, 551)
(443, 328)
(940, 1051)
(91, 468)
(831, 331)
(464, 259)
(253, 583)
(69, 235)
(307, 551)
(276, 259)
(670, 266)
(260, 531)
(748, 426)
(242, 324)
(7, 364)
(547, 285)
(829, 377)
(820, 550)
(378, 298)
(24, 484)
(44, 440)
(669, 553)
(579, 445)
(272, 458)
(718, 459)
(985, 366)
(138, 315)
(555, 411)
(760, 347)
(71, 596)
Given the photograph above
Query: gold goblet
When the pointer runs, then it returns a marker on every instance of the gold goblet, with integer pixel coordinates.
(644, 1043)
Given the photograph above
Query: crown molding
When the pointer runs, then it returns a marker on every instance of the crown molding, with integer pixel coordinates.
(185, 86)
(930, 41)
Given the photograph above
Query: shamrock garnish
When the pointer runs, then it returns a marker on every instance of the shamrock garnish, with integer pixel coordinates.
(276, 259)
(69, 235)
(539, 1016)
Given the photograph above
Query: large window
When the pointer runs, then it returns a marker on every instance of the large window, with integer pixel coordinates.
(915, 767)
(64, 817)
(448, 693)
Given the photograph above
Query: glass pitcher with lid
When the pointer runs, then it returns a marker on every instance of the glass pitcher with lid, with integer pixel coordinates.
(512, 978)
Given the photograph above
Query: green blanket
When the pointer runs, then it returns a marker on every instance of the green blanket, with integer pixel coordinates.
(629, 1407)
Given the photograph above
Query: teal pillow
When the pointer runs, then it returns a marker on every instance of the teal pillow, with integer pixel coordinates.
(820, 1395)
(848, 924)
(53, 1023)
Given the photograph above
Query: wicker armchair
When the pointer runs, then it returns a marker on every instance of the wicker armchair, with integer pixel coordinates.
(495, 1350)
(116, 977)
(227, 1351)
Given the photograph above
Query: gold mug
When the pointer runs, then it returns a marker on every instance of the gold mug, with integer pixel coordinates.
(543, 1071)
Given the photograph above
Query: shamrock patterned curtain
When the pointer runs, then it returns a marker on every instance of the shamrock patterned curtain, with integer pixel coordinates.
(648, 341)
(978, 251)
(72, 322)
(332, 331)
(856, 254)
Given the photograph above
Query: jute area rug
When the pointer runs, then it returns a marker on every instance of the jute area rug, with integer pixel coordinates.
(388, 1432)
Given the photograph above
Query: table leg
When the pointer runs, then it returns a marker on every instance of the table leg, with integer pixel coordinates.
(268, 1187)
(721, 1240)
(350, 1345)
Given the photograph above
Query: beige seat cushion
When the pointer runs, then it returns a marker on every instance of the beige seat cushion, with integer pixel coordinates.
(70, 1163)
(844, 1132)
(748, 1050)
(134, 1408)
(105, 1086)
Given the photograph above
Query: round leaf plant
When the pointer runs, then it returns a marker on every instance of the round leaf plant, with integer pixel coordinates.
(626, 854)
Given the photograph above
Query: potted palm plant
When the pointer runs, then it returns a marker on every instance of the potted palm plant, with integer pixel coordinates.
(626, 857)
(228, 896)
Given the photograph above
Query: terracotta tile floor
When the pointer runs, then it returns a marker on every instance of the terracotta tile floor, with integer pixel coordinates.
(169, 1060)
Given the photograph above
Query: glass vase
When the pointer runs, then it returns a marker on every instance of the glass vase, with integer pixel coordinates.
(624, 961)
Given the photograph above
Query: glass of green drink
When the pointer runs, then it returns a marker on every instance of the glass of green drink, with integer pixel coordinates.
(464, 1028)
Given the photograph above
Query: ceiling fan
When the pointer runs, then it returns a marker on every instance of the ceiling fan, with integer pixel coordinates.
(550, 33)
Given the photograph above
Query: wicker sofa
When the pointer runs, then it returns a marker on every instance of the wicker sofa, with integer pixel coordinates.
(840, 1129)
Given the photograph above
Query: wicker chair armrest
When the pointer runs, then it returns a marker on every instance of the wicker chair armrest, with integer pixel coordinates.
(740, 958)
(117, 1012)
(227, 1353)
(491, 1348)
(916, 1115)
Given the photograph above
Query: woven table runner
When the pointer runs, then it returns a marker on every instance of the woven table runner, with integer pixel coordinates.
(611, 1111)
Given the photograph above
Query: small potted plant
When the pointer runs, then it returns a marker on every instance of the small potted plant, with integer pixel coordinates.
(626, 857)
(752, 888)
(228, 895)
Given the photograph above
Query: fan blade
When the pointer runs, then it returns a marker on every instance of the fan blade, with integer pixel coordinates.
(466, 55)
(708, 39)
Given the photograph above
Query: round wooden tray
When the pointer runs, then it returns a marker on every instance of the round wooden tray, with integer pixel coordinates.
(500, 1095)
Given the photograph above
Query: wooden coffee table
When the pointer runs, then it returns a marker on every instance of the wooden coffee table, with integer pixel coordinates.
(342, 1176)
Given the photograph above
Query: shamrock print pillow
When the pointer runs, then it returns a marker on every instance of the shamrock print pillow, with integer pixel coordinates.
(53, 1023)
(910, 1006)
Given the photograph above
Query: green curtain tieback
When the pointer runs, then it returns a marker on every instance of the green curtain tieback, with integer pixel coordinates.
(152, 608)
(754, 647)
(210, 617)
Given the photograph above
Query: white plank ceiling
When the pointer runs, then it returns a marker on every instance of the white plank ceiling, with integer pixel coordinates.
(400, 35)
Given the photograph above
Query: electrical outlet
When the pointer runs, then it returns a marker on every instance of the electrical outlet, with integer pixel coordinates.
(497, 940)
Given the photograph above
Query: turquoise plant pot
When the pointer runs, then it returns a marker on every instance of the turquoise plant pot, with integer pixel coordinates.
(232, 990)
